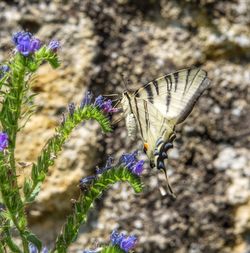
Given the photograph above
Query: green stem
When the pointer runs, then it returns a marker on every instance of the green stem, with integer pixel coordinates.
(55, 144)
(10, 199)
(71, 228)
(10, 114)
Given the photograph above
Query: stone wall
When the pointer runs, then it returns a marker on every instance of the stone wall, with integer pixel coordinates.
(104, 42)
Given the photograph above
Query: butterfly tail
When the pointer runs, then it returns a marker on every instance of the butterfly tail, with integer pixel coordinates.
(169, 188)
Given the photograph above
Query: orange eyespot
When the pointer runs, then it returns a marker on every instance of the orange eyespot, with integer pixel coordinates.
(145, 147)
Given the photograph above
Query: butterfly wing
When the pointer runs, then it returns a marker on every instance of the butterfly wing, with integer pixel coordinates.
(160, 105)
(154, 128)
(156, 131)
(175, 95)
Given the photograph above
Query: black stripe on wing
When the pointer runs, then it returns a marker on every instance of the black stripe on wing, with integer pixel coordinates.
(191, 83)
(138, 117)
(169, 88)
(150, 93)
(186, 83)
(156, 85)
(176, 77)
(189, 107)
(145, 105)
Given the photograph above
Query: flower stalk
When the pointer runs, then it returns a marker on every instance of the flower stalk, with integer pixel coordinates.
(14, 89)
(55, 144)
(82, 206)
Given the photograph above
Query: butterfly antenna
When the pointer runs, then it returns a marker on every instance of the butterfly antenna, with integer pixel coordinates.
(117, 102)
(116, 121)
(169, 188)
(111, 95)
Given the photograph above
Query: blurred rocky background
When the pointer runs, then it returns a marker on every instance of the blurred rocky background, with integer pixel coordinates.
(104, 42)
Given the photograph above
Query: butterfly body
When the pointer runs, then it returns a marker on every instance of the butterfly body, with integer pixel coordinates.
(156, 108)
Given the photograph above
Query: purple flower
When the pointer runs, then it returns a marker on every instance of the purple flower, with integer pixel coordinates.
(19, 35)
(86, 99)
(33, 249)
(116, 238)
(129, 159)
(26, 43)
(99, 101)
(106, 106)
(54, 45)
(107, 166)
(86, 182)
(71, 108)
(132, 163)
(138, 168)
(128, 243)
(3, 70)
(3, 141)
(35, 44)
(125, 243)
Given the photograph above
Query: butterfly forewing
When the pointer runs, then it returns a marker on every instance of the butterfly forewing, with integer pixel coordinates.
(174, 95)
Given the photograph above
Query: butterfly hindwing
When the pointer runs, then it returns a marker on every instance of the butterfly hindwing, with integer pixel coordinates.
(174, 95)
(155, 130)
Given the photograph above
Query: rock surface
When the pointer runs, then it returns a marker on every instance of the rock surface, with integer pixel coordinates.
(104, 40)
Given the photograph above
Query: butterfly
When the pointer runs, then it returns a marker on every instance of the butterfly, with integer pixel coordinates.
(157, 107)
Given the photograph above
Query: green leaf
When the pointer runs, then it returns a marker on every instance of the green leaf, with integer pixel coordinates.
(112, 249)
(14, 248)
(32, 66)
(33, 239)
(27, 186)
(54, 62)
(34, 193)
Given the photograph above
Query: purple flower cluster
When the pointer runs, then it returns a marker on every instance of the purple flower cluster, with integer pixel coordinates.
(25, 43)
(3, 141)
(132, 163)
(86, 99)
(106, 106)
(3, 70)
(125, 243)
(100, 102)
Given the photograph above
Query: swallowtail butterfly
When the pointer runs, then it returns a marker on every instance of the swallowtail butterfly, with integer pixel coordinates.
(160, 105)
